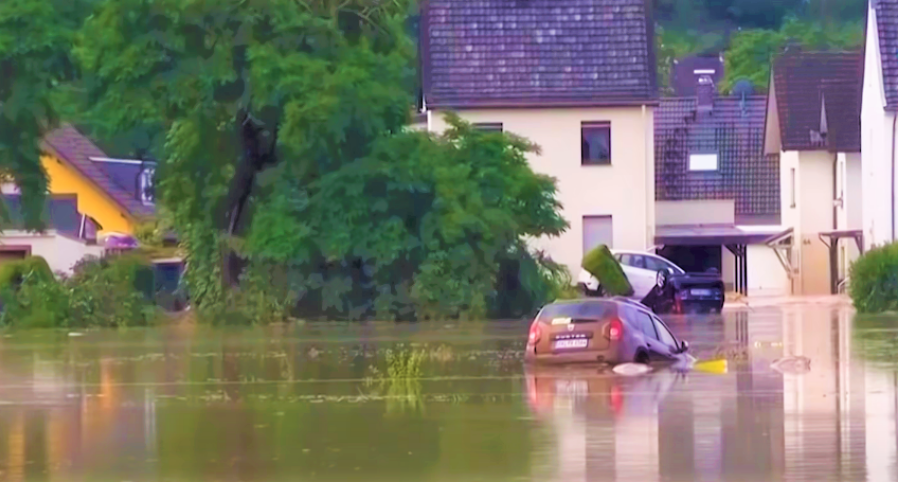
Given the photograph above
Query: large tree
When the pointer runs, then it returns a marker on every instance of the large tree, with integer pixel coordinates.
(36, 68)
(285, 141)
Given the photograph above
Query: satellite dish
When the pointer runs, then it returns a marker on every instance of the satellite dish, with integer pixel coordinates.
(743, 87)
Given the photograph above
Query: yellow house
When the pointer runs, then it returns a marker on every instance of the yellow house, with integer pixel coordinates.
(111, 191)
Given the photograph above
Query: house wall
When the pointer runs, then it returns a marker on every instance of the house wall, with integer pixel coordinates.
(92, 201)
(766, 275)
(61, 252)
(876, 145)
(811, 214)
(625, 189)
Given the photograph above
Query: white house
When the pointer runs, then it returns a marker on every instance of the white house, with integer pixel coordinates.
(576, 77)
(813, 122)
(878, 122)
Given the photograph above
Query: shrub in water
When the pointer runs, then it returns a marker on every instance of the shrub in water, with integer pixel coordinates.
(874, 280)
(601, 263)
(13, 273)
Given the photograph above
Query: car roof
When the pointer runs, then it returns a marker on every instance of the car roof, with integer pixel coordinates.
(615, 300)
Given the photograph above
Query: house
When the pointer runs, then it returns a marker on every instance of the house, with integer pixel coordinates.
(879, 123)
(813, 123)
(717, 192)
(90, 195)
(576, 77)
(685, 73)
(117, 193)
(71, 235)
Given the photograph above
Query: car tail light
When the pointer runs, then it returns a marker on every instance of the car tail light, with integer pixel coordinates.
(615, 329)
(535, 333)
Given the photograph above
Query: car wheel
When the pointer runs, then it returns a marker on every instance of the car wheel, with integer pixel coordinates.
(642, 357)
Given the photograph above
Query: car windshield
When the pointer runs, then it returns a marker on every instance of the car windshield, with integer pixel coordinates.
(592, 310)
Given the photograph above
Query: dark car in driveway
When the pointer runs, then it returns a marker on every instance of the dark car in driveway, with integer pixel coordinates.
(687, 292)
(604, 330)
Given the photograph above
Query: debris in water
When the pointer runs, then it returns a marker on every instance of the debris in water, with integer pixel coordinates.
(631, 369)
(795, 365)
(75, 333)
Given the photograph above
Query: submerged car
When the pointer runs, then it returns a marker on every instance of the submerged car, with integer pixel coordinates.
(604, 330)
(703, 292)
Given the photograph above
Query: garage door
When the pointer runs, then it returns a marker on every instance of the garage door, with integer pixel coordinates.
(597, 230)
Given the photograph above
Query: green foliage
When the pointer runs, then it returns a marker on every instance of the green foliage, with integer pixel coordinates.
(32, 268)
(751, 51)
(601, 263)
(404, 363)
(102, 293)
(416, 229)
(874, 280)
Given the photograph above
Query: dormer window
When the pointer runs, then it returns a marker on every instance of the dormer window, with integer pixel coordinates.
(146, 186)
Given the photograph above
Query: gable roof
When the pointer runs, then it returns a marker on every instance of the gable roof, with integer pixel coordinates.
(537, 53)
(887, 28)
(76, 149)
(818, 100)
(734, 130)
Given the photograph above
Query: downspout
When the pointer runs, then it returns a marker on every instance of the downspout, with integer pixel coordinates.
(894, 121)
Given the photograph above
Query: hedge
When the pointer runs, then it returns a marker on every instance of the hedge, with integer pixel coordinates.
(874, 280)
(601, 263)
(13, 272)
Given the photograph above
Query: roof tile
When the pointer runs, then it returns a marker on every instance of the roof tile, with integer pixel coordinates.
(491, 53)
(803, 82)
(887, 27)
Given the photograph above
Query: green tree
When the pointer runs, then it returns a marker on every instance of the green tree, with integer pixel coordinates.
(285, 142)
(750, 52)
(35, 63)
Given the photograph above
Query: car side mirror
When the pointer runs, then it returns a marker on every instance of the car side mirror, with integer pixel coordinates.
(684, 347)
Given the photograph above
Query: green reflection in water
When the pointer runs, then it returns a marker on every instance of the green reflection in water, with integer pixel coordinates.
(274, 403)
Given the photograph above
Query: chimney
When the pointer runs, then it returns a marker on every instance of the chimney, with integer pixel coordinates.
(705, 91)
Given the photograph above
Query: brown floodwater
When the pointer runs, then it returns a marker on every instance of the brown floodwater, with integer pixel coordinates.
(809, 393)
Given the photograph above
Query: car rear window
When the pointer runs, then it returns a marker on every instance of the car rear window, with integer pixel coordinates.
(594, 310)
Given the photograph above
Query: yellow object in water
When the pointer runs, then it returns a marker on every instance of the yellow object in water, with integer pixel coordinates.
(711, 366)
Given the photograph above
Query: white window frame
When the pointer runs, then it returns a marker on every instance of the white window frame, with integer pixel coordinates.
(704, 162)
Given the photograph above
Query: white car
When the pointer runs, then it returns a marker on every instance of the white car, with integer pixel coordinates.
(641, 269)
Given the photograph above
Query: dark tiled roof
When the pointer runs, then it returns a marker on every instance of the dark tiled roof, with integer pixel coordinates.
(734, 129)
(887, 26)
(684, 78)
(804, 82)
(76, 149)
(504, 53)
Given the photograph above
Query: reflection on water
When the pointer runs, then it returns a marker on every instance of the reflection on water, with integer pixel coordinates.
(810, 394)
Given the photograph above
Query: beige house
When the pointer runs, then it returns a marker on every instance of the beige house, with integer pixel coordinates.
(575, 77)
(813, 122)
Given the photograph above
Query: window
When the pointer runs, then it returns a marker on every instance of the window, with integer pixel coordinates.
(703, 162)
(626, 259)
(638, 262)
(147, 187)
(792, 182)
(644, 322)
(596, 230)
(655, 264)
(595, 143)
(664, 335)
(488, 126)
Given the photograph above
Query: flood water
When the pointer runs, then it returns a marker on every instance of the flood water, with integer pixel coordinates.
(337, 402)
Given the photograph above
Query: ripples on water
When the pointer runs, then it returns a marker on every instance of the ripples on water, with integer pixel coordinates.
(810, 394)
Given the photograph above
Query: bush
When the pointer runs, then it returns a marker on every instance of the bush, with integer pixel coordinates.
(14, 272)
(601, 263)
(103, 292)
(874, 280)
